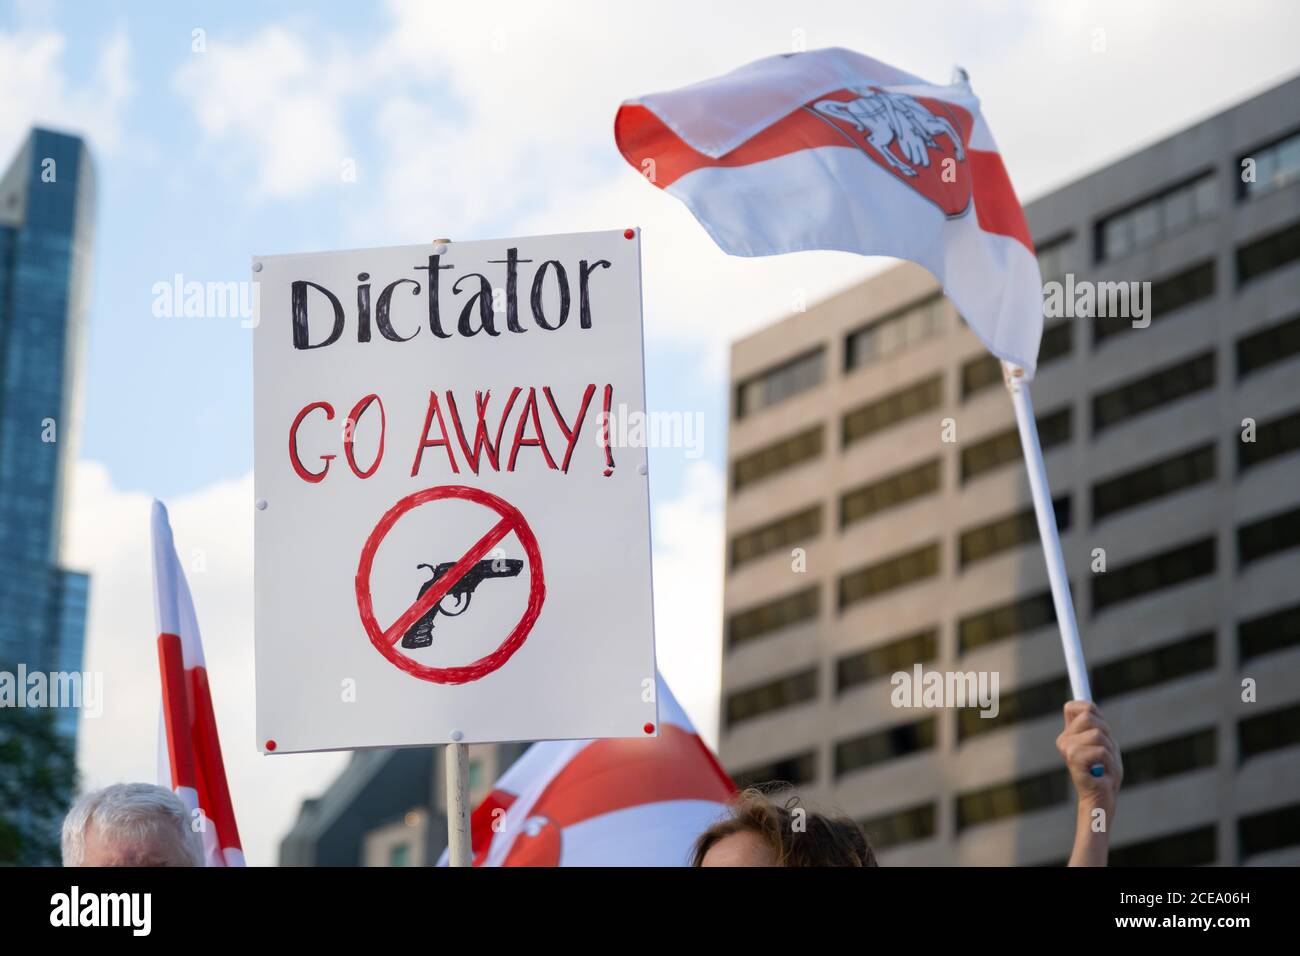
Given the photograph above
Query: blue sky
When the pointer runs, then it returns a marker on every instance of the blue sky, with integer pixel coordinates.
(479, 121)
(174, 201)
(185, 192)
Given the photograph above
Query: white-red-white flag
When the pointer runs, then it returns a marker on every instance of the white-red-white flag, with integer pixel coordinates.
(831, 149)
(617, 802)
(190, 751)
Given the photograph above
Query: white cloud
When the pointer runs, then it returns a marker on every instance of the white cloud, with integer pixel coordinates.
(108, 536)
(688, 595)
(1077, 85)
(497, 118)
(35, 89)
(277, 102)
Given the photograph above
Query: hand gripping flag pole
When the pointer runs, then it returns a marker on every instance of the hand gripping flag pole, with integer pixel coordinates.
(1046, 514)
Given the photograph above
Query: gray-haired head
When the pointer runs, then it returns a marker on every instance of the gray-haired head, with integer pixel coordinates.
(130, 824)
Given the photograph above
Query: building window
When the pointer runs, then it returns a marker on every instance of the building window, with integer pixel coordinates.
(1273, 251)
(774, 616)
(1273, 439)
(1268, 536)
(880, 746)
(1051, 257)
(874, 663)
(793, 529)
(1057, 342)
(1147, 222)
(777, 384)
(891, 574)
(895, 332)
(1276, 165)
(890, 492)
(788, 691)
(1004, 534)
(1136, 487)
(900, 826)
(989, 454)
(893, 409)
(980, 373)
(1269, 830)
(1155, 573)
(1168, 295)
(1021, 704)
(797, 769)
(1265, 733)
(399, 854)
(1268, 346)
(985, 371)
(1269, 632)
(1006, 620)
(1157, 761)
(1168, 758)
(1012, 799)
(1142, 395)
(1115, 678)
(777, 457)
(1196, 847)
(1168, 662)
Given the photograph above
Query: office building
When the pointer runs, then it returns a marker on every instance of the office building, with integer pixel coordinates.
(47, 202)
(878, 516)
(388, 808)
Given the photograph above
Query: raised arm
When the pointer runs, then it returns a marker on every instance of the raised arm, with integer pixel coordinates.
(1085, 743)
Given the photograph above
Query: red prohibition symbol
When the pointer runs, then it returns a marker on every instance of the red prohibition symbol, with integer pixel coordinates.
(385, 640)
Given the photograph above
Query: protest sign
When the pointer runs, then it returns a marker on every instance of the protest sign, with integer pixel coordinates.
(450, 547)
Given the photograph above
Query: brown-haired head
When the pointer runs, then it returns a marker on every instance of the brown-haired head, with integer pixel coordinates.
(760, 832)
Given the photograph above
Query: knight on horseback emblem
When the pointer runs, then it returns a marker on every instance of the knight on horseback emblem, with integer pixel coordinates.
(885, 118)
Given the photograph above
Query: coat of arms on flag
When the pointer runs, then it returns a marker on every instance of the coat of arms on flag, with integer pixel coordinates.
(920, 140)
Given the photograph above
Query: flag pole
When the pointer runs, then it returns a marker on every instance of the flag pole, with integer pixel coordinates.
(1014, 377)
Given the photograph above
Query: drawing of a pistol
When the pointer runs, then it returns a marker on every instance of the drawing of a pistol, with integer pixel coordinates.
(456, 601)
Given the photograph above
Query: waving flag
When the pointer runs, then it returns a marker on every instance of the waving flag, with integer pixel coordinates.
(190, 757)
(604, 802)
(834, 150)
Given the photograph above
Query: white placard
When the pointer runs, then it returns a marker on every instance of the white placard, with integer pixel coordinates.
(437, 414)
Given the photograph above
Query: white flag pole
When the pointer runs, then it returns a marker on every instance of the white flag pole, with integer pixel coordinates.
(1064, 604)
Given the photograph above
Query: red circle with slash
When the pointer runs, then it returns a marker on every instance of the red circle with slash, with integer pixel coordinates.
(385, 641)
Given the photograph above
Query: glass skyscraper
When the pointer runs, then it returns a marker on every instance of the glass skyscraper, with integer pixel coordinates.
(47, 200)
